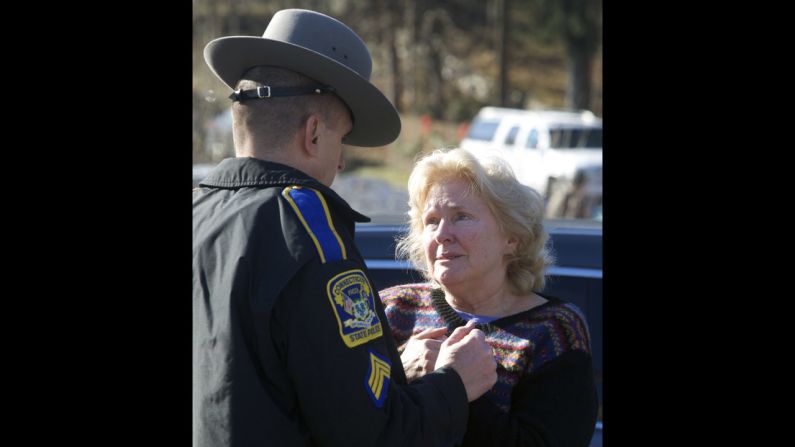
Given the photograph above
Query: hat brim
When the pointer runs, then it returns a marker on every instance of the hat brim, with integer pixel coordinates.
(375, 120)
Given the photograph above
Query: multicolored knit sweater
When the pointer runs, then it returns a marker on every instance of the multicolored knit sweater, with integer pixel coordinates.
(544, 395)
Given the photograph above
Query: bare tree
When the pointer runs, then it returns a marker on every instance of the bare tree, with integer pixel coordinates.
(579, 24)
(501, 49)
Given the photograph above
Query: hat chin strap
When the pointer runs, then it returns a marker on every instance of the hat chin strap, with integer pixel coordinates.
(267, 91)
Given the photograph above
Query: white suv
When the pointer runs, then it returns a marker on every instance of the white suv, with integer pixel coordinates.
(544, 147)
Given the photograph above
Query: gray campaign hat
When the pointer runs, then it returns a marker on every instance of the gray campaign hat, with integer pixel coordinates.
(323, 49)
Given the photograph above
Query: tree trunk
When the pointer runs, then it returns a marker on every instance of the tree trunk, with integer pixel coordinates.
(501, 49)
(430, 99)
(414, 12)
(391, 20)
(578, 91)
(397, 78)
(581, 35)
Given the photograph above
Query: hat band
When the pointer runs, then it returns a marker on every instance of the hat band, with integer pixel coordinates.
(267, 91)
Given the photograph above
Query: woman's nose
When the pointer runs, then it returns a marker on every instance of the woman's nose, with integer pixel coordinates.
(444, 233)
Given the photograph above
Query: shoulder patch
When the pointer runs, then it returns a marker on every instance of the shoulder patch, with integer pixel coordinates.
(353, 302)
(377, 380)
(312, 210)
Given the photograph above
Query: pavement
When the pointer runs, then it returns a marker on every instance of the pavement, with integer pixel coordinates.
(373, 197)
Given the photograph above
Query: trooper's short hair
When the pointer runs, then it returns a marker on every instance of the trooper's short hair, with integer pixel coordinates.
(275, 121)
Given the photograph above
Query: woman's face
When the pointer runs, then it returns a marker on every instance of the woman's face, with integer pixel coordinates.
(464, 247)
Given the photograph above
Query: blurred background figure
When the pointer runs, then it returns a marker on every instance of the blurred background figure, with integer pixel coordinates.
(579, 198)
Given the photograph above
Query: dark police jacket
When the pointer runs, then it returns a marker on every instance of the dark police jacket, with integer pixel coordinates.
(290, 341)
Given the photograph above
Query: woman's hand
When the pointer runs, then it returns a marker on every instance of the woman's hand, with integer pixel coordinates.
(419, 356)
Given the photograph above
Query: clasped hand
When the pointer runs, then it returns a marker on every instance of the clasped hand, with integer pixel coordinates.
(466, 351)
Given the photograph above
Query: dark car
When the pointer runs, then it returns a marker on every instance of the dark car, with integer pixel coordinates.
(575, 277)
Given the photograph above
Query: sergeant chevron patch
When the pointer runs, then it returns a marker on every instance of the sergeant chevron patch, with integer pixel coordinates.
(377, 380)
(353, 302)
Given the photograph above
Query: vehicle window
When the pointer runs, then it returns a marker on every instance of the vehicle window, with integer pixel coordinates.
(511, 138)
(556, 138)
(532, 139)
(483, 130)
(581, 137)
(593, 138)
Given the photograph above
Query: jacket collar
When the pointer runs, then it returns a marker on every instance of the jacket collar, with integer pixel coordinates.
(252, 172)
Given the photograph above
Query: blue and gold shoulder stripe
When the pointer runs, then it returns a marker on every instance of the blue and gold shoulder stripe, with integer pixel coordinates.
(312, 210)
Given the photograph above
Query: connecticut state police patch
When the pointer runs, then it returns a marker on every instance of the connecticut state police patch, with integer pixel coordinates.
(353, 302)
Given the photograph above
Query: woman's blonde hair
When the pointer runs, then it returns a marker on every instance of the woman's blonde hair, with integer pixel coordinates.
(518, 209)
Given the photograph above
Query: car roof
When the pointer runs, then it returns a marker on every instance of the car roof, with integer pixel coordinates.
(548, 117)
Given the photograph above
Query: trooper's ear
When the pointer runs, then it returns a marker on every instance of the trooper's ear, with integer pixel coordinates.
(310, 135)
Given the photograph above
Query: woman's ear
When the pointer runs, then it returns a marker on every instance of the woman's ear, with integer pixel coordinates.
(510, 247)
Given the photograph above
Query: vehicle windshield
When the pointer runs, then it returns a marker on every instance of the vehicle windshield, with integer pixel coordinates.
(483, 130)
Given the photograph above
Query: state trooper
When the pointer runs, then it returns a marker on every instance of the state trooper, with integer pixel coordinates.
(290, 343)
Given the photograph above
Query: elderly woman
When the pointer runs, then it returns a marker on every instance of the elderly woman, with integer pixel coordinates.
(477, 235)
